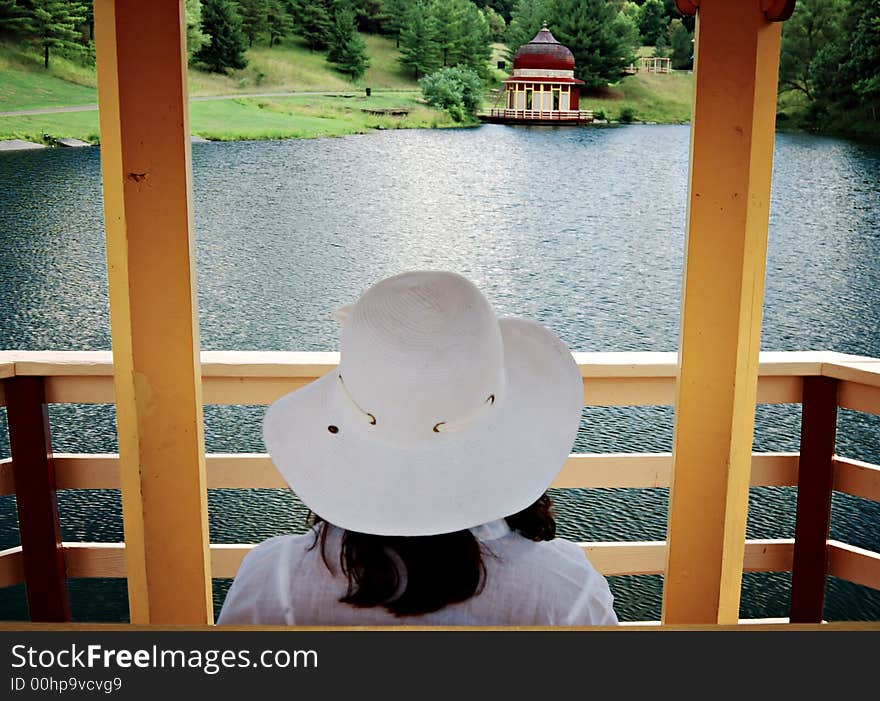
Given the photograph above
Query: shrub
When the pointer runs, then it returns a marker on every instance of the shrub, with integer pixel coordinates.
(457, 90)
(627, 114)
(599, 115)
(457, 113)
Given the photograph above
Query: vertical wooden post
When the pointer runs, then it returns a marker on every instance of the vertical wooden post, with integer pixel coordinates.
(33, 470)
(815, 482)
(147, 180)
(732, 131)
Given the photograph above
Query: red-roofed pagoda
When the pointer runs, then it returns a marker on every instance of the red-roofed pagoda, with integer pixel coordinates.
(542, 89)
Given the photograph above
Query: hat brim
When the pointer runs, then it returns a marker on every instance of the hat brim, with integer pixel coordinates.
(492, 469)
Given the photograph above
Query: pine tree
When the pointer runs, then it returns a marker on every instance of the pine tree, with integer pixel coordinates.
(448, 18)
(394, 12)
(418, 52)
(313, 23)
(681, 45)
(12, 17)
(475, 47)
(227, 46)
(369, 15)
(279, 21)
(587, 27)
(52, 24)
(254, 18)
(652, 21)
(345, 47)
(526, 20)
(195, 37)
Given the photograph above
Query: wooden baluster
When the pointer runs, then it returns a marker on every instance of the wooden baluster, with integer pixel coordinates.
(34, 475)
(815, 479)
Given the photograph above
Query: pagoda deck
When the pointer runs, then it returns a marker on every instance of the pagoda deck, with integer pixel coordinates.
(510, 116)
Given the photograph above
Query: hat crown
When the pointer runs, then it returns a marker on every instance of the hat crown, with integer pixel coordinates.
(419, 349)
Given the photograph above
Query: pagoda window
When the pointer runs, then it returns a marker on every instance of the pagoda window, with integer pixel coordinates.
(556, 100)
(529, 98)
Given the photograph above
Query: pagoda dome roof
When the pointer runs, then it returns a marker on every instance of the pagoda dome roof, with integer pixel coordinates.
(544, 52)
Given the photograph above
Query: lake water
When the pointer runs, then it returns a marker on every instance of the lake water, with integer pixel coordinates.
(579, 228)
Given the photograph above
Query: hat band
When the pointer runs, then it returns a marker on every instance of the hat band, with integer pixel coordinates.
(439, 427)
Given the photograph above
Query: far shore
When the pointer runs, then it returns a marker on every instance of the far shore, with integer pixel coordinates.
(246, 118)
(54, 141)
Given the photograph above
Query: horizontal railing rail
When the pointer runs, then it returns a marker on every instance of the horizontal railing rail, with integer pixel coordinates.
(86, 560)
(582, 470)
(610, 379)
(560, 115)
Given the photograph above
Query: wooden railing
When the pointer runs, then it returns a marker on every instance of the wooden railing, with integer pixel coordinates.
(550, 115)
(821, 381)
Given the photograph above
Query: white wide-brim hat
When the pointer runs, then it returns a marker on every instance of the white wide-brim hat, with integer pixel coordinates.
(440, 416)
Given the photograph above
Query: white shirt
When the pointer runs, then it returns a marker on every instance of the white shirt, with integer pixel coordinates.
(284, 581)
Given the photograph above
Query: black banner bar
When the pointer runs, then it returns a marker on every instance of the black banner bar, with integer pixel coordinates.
(458, 664)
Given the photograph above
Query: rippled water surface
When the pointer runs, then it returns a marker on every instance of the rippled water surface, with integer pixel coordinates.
(582, 229)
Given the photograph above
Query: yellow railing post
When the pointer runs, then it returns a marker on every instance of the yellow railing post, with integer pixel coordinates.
(732, 131)
(147, 179)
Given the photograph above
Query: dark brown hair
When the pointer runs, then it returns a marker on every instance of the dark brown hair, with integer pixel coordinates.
(411, 575)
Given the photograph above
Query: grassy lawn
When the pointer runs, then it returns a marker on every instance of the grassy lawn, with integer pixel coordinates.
(21, 90)
(653, 97)
(78, 125)
(306, 116)
(309, 116)
(25, 84)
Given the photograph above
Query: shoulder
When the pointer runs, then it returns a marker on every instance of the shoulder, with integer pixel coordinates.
(590, 601)
(258, 594)
(572, 591)
(569, 562)
(559, 557)
(282, 546)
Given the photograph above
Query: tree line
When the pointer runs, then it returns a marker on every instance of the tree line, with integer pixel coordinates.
(218, 31)
(830, 58)
(431, 34)
(830, 48)
(603, 35)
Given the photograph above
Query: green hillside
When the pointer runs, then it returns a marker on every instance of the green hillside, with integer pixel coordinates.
(25, 84)
(291, 67)
(651, 97)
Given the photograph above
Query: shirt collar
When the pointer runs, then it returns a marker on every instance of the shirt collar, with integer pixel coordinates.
(492, 530)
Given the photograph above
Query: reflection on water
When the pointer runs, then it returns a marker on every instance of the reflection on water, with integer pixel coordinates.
(581, 229)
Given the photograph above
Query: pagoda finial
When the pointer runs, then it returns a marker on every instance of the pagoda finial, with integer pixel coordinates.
(544, 24)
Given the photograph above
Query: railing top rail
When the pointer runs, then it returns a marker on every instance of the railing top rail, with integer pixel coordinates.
(865, 371)
(842, 366)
